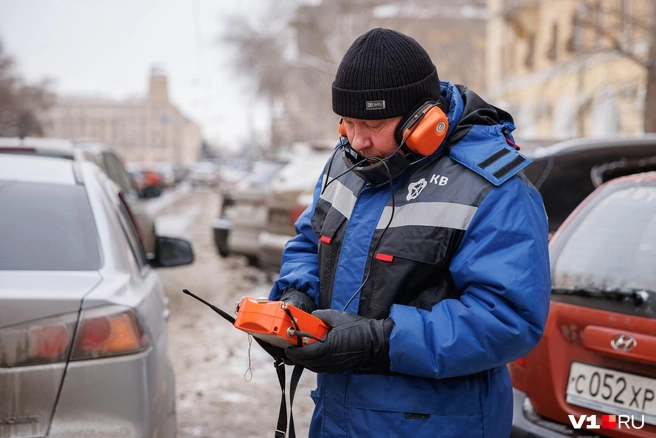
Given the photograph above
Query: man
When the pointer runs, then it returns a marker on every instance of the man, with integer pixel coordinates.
(427, 254)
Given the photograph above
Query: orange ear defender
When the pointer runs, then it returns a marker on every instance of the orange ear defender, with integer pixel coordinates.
(342, 128)
(423, 130)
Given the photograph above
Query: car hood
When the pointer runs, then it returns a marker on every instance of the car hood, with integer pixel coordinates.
(30, 295)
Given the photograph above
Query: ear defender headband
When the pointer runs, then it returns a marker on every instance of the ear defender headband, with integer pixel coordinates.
(421, 133)
(423, 129)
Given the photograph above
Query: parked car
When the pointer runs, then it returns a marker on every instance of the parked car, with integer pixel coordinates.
(167, 170)
(147, 179)
(238, 228)
(290, 194)
(568, 171)
(230, 173)
(83, 343)
(101, 154)
(597, 357)
(204, 173)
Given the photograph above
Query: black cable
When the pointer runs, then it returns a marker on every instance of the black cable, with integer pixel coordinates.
(391, 184)
(297, 332)
(305, 335)
(330, 165)
(373, 254)
(299, 340)
(343, 142)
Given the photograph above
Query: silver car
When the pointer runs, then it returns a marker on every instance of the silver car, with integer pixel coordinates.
(246, 217)
(290, 193)
(83, 344)
(99, 153)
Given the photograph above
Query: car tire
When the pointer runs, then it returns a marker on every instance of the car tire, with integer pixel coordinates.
(222, 247)
(252, 261)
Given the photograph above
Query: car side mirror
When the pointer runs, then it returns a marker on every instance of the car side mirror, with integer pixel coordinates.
(170, 251)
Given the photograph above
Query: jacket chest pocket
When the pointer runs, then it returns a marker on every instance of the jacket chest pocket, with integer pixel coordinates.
(411, 267)
(331, 234)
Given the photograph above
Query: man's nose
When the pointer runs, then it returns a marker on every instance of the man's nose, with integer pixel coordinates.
(360, 140)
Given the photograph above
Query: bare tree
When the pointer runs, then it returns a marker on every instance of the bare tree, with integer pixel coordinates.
(20, 103)
(294, 54)
(618, 29)
(260, 48)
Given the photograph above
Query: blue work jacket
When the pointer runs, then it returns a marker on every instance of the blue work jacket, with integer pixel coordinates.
(455, 253)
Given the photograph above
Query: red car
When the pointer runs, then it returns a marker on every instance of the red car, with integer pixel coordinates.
(594, 371)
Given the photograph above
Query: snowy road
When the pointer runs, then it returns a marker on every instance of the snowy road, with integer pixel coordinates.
(210, 357)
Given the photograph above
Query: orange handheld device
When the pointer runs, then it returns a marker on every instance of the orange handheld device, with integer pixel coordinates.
(275, 322)
(278, 323)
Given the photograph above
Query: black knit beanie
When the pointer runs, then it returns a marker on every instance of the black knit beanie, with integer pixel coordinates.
(383, 74)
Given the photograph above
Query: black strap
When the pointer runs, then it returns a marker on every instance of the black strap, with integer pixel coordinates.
(281, 426)
(296, 376)
(493, 158)
(508, 167)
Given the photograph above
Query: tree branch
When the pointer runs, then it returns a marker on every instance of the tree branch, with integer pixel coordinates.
(615, 43)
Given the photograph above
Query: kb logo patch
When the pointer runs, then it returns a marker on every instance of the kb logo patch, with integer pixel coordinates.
(415, 188)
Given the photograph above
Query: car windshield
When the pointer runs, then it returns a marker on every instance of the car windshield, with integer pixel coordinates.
(612, 242)
(47, 227)
(263, 171)
(204, 167)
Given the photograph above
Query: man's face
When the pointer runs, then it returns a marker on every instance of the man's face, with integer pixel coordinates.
(372, 138)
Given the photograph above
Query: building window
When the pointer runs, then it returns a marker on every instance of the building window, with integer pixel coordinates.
(605, 114)
(529, 61)
(564, 118)
(502, 57)
(598, 22)
(574, 41)
(552, 53)
(625, 22)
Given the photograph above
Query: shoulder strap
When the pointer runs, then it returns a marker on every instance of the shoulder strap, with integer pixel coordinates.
(281, 427)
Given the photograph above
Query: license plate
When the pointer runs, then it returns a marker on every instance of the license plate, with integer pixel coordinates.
(611, 392)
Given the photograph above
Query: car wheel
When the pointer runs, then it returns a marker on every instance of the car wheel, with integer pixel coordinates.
(252, 261)
(222, 247)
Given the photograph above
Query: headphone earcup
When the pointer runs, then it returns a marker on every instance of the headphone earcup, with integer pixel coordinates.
(425, 129)
(342, 128)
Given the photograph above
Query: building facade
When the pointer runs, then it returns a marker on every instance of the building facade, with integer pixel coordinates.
(570, 68)
(150, 129)
(452, 32)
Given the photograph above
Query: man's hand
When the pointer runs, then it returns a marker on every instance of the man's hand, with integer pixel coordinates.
(353, 342)
(298, 299)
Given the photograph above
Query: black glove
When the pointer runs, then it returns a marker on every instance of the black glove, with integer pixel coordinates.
(297, 299)
(353, 342)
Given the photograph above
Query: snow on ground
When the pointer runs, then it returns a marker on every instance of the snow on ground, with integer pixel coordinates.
(210, 357)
